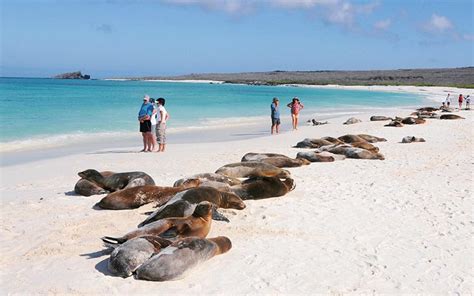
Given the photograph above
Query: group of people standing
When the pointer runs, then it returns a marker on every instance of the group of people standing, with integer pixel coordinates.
(461, 98)
(152, 117)
(295, 107)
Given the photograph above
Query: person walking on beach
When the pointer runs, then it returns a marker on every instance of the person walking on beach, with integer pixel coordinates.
(460, 99)
(295, 107)
(275, 108)
(468, 102)
(153, 124)
(162, 117)
(144, 116)
(448, 101)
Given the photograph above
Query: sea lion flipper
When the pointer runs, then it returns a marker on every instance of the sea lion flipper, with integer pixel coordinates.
(170, 233)
(216, 215)
(112, 241)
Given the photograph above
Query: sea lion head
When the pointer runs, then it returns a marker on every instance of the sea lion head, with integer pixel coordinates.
(303, 161)
(284, 174)
(90, 174)
(223, 243)
(190, 183)
(203, 209)
(232, 201)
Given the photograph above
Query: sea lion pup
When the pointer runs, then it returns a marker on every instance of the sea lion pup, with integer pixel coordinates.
(314, 157)
(450, 116)
(411, 139)
(379, 118)
(135, 197)
(394, 123)
(315, 122)
(87, 188)
(184, 203)
(263, 187)
(127, 257)
(365, 145)
(209, 177)
(117, 181)
(372, 139)
(312, 143)
(352, 120)
(252, 169)
(278, 160)
(351, 139)
(172, 262)
(411, 120)
(356, 153)
(197, 224)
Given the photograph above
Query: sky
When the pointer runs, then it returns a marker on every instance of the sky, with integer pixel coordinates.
(117, 38)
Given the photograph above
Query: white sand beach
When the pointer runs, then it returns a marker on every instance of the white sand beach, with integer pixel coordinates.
(399, 225)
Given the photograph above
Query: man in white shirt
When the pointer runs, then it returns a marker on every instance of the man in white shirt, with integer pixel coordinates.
(161, 117)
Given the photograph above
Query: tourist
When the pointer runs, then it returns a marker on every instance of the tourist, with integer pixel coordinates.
(460, 99)
(468, 102)
(448, 100)
(153, 124)
(295, 107)
(144, 117)
(162, 117)
(275, 108)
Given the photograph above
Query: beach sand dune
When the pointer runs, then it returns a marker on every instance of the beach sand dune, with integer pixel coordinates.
(401, 225)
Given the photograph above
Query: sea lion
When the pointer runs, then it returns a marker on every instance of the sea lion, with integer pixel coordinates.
(127, 257)
(87, 188)
(184, 203)
(117, 181)
(365, 145)
(278, 160)
(411, 139)
(379, 118)
(411, 120)
(424, 114)
(352, 120)
(315, 122)
(450, 116)
(172, 262)
(314, 157)
(332, 140)
(135, 197)
(205, 177)
(372, 139)
(252, 169)
(263, 187)
(351, 139)
(197, 224)
(356, 153)
(394, 123)
(427, 109)
(312, 143)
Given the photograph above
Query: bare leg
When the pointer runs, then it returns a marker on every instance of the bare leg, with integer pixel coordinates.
(273, 127)
(144, 142)
(277, 128)
(296, 121)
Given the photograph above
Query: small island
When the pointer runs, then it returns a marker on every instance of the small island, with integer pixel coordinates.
(73, 75)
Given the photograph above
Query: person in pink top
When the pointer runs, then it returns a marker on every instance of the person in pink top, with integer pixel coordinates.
(460, 99)
(295, 107)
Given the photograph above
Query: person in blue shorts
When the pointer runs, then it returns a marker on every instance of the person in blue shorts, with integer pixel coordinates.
(275, 108)
(144, 117)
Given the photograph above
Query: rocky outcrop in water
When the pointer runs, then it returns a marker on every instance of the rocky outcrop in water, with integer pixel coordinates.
(72, 75)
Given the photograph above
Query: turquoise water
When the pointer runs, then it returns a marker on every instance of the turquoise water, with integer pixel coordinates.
(42, 109)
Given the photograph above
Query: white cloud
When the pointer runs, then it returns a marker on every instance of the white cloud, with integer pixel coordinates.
(296, 4)
(383, 25)
(233, 7)
(438, 24)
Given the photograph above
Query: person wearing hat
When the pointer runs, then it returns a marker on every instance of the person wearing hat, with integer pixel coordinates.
(275, 108)
(295, 107)
(144, 117)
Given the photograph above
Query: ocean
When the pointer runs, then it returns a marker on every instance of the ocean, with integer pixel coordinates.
(45, 112)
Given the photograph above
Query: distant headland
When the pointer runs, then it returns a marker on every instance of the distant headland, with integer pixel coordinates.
(73, 75)
(453, 77)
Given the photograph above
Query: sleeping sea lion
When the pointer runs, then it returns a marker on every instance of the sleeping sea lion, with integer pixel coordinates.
(87, 188)
(172, 262)
(314, 157)
(394, 123)
(252, 169)
(184, 203)
(135, 197)
(278, 160)
(411, 120)
(365, 145)
(127, 257)
(197, 224)
(312, 143)
(427, 109)
(357, 153)
(450, 116)
(117, 181)
(372, 139)
(332, 140)
(351, 139)
(206, 177)
(352, 120)
(263, 187)
(379, 118)
(411, 139)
